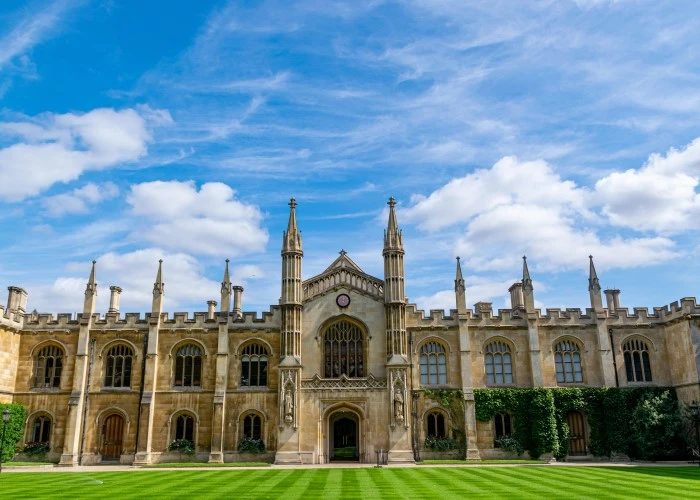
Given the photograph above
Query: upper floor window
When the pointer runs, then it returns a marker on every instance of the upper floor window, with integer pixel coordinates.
(567, 358)
(188, 366)
(184, 427)
(499, 363)
(343, 350)
(254, 365)
(118, 368)
(435, 424)
(433, 364)
(41, 431)
(637, 363)
(49, 363)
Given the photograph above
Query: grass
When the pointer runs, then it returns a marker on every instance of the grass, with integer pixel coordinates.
(479, 462)
(25, 464)
(205, 464)
(390, 483)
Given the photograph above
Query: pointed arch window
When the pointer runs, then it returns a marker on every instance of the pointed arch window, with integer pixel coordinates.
(436, 425)
(567, 358)
(188, 366)
(254, 366)
(637, 362)
(252, 426)
(343, 350)
(184, 427)
(499, 363)
(49, 364)
(503, 427)
(41, 430)
(118, 366)
(433, 364)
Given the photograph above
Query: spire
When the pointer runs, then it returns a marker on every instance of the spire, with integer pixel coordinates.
(91, 288)
(527, 282)
(459, 280)
(593, 283)
(291, 238)
(159, 286)
(392, 235)
(226, 290)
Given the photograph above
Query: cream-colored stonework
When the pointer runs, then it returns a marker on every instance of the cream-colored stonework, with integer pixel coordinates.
(300, 405)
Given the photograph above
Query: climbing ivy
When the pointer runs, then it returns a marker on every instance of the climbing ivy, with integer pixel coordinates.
(452, 400)
(540, 418)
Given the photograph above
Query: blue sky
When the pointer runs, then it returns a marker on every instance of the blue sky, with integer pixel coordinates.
(132, 131)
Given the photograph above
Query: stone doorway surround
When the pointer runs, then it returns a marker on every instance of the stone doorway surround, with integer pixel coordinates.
(336, 412)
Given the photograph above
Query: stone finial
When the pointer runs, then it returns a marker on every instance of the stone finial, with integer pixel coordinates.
(91, 288)
(291, 238)
(593, 282)
(159, 286)
(392, 235)
(527, 282)
(459, 279)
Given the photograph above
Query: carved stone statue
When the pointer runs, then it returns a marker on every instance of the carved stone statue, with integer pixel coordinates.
(398, 407)
(288, 405)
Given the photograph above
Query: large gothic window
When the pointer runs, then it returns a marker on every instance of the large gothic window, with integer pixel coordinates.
(343, 350)
(433, 364)
(188, 366)
(49, 363)
(118, 369)
(567, 358)
(254, 366)
(499, 363)
(637, 363)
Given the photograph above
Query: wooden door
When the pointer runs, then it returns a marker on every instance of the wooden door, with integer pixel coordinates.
(577, 433)
(112, 435)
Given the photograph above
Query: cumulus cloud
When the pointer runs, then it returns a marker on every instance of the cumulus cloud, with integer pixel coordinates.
(660, 196)
(78, 200)
(207, 221)
(55, 148)
(478, 289)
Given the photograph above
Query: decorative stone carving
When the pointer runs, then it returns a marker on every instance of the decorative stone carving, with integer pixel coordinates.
(288, 398)
(343, 382)
(397, 380)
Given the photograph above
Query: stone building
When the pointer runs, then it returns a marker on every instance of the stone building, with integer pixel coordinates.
(332, 372)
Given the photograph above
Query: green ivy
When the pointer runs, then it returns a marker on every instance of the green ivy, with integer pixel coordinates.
(440, 444)
(13, 429)
(183, 446)
(251, 445)
(453, 401)
(540, 418)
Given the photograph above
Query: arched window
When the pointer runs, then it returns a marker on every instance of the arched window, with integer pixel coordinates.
(41, 430)
(433, 364)
(252, 426)
(254, 366)
(49, 363)
(435, 424)
(499, 363)
(567, 358)
(637, 363)
(188, 366)
(184, 427)
(118, 369)
(343, 350)
(503, 427)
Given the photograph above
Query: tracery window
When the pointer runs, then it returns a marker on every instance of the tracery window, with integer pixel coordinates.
(637, 362)
(499, 363)
(188, 366)
(184, 427)
(567, 358)
(252, 426)
(254, 366)
(49, 363)
(343, 350)
(41, 431)
(503, 427)
(118, 368)
(433, 364)
(435, 424)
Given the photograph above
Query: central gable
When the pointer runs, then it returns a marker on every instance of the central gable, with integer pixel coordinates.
(343, 272)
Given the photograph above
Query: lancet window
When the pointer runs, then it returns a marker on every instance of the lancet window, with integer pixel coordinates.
(118, 368)
(343, 350)
(254, 366)
(433, 364)
(188, 366)
(637, 362)
(567, 358)
(49, 363)
(499, 363)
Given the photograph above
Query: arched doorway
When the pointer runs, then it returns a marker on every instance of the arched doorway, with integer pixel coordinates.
(344, 436)
(112, 437)
(577, 433)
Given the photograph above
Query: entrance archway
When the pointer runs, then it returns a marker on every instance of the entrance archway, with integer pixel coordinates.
(344, 436)
(112, 436)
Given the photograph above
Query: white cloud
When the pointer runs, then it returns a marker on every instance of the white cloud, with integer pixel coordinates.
(478, 289)
(59, 148)
(209, 221)
(78, 200)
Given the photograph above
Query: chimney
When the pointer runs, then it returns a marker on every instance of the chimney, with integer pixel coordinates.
(16, 299)
(237, 301)
(612, 297)
(516, 295)
(114, 297)
(211, 308)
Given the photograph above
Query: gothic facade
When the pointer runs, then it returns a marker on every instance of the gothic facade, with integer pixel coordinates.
(334, 372)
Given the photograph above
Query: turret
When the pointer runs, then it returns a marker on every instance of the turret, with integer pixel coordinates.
(594, 287)
(528, 292)
(291, 298)
(460, 290)
(226, 291)
(158, 291)
(394, 295)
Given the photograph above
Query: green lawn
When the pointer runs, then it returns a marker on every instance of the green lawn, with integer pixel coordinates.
(412, 482)
(177, 465)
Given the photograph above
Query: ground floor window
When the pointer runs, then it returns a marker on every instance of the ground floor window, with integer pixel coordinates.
(184, 427)
(436, 425)
(503, 428)
(252, 426)
(41, 432)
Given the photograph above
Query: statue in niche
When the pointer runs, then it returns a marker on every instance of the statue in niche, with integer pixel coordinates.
(288, 405)
(398, 407)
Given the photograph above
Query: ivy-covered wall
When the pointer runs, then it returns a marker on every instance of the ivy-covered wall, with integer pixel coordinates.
(13, 430)
(620, 420)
